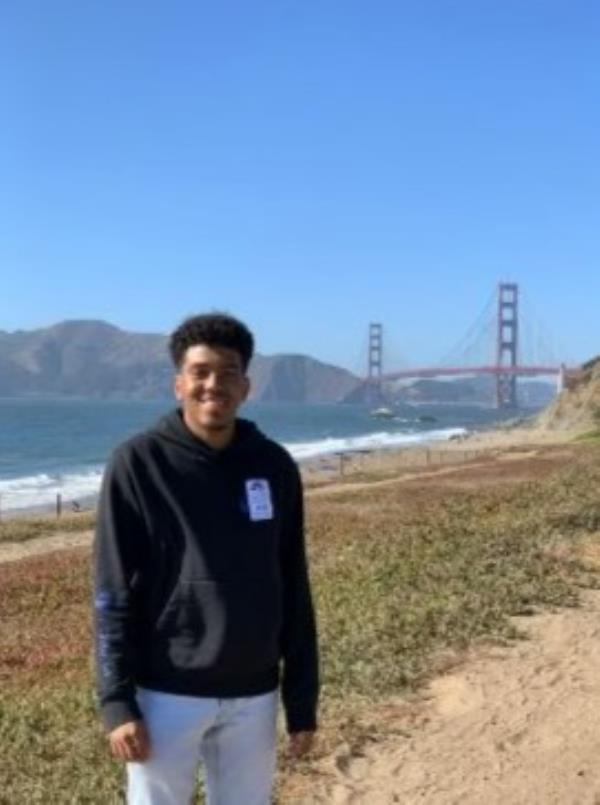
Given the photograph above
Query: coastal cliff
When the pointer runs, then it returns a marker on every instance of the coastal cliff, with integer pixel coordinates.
(577, 407)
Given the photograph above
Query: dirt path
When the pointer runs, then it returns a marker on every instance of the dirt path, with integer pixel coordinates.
(514, 726)
(13, 551)
(416, 475)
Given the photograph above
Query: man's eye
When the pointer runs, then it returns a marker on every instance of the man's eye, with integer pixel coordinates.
(226, 374)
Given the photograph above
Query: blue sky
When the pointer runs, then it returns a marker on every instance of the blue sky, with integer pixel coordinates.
(309, 166)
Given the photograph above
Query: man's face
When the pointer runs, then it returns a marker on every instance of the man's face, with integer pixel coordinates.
(211, 386)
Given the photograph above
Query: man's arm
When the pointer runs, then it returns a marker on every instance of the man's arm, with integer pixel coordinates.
(116, 560)
(300, 685)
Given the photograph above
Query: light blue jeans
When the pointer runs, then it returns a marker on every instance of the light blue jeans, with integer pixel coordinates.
(234, 739)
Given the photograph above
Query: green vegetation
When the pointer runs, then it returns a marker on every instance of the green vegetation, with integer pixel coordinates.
(589, 436)
(405, 576)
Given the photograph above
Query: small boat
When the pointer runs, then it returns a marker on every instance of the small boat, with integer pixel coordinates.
(383, 413)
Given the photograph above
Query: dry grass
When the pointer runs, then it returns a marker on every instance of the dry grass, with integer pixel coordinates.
(19, 529)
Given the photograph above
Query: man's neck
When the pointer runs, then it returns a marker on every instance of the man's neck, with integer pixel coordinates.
(217, 438)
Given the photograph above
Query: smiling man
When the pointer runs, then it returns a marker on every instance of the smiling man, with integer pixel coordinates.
(202, 600)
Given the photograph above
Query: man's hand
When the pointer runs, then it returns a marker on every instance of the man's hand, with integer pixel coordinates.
(301, 743)
(130, 742)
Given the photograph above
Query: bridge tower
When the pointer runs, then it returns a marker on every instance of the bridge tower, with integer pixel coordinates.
(375, 368)
(507, 344)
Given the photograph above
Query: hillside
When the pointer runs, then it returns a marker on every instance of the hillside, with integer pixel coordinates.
(96, 359)
(477, 391)
(577, 407)
(298, 378)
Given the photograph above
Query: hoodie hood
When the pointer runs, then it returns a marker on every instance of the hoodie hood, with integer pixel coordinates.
(172, 428)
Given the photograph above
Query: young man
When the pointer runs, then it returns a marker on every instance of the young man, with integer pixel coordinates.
(201, 588)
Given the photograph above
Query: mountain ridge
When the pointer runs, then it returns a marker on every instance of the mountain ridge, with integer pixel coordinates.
(94, 358)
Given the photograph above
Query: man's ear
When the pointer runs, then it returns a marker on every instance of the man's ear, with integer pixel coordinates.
(248, 387)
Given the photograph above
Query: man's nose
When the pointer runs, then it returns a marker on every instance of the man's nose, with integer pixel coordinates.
(213, 380)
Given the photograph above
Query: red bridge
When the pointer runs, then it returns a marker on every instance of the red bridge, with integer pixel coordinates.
(506, 369)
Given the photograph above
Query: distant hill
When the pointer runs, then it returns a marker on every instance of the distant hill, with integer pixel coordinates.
(479, 390)
(96, 359)
(577, 407)
(467, 390)
(298, 378)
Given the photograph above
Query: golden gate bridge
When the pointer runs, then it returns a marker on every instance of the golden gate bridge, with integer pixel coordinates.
(505, 365)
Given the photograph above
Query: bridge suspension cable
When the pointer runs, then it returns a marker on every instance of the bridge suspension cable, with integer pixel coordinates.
(498, 328)
(481, 331)
(540, 345)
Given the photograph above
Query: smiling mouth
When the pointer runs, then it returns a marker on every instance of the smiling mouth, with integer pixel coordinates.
(218, 401)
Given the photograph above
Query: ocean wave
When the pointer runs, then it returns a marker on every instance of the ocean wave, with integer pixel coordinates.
(303, 451)
(38, 491)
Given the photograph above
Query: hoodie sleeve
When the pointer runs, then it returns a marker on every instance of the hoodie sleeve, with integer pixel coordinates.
(300, 684)
(116, 557)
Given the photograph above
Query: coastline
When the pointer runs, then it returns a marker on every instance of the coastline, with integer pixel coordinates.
(367, 464)
(74, 452)
(459, 449)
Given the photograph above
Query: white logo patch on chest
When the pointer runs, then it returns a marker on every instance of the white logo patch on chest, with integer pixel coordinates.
(258, 497)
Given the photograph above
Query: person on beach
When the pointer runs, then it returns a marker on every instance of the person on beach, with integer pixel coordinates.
(201, 592)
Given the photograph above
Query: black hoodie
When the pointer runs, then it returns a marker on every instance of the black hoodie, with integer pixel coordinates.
(201, 585)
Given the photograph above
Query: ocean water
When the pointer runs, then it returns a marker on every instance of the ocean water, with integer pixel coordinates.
(61, 446)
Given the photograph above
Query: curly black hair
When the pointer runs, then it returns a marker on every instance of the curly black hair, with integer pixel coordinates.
(214, 330)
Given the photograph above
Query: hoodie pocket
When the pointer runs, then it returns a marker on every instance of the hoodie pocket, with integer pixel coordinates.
(230, 627)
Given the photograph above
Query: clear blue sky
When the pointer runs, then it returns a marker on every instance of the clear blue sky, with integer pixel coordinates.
(309, 166)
